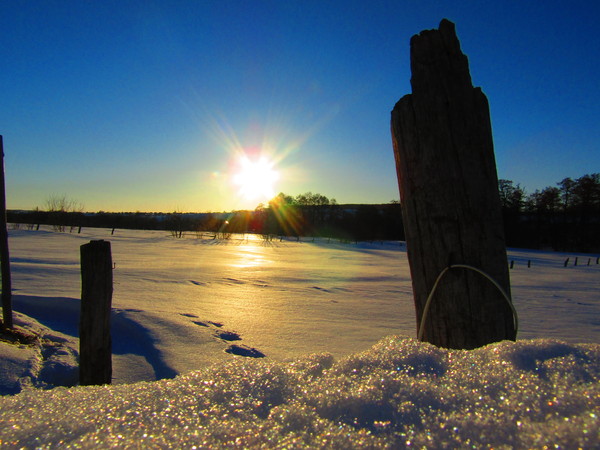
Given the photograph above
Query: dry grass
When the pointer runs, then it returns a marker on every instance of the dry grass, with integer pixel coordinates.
(16, 336)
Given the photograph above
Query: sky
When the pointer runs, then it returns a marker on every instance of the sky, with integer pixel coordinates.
(148, 105)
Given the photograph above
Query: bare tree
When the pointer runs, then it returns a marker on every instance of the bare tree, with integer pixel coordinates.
(59, 208)
(175, 224)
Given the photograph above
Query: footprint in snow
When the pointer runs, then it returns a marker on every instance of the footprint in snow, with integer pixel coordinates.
(234, 280)
(243, 350)
(321, 289)
(228, 336)
(207, 324)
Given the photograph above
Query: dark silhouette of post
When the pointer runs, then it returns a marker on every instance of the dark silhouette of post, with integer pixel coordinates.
(443, 147)
(7, 318)
(95, 347)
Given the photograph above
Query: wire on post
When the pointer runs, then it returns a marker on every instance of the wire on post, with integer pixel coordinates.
(475, 269)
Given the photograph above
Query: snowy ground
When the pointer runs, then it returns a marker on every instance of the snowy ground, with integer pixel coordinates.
(179, 304)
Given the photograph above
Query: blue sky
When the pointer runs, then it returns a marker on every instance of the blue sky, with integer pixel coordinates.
(144, 105)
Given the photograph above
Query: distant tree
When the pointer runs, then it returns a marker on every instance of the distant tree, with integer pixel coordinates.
(512, 199)
(586, 193)
(62, 211)
(566, 192)
(175, 224)
(511, 196)
(310, 199)
(284, 216)
(547, 201)
(543, 207)
(258, 220)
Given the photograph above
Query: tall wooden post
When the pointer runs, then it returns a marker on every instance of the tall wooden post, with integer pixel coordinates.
(95, 347)
(451, 210)
(7, 317)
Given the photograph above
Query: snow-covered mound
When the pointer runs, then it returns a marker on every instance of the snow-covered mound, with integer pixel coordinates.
(51, 360)
(400, 393)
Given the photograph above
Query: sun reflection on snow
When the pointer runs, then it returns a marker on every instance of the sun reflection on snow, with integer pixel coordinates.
(251, 254)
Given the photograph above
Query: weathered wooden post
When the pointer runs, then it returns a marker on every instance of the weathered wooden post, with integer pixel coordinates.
(95, 347)
(443, 147)
(7, 318)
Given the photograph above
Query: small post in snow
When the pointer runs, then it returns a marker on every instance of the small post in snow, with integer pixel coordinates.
(95, 346)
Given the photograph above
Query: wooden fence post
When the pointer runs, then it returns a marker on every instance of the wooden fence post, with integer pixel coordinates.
(7, 317)
(451, 209)
(95, 347)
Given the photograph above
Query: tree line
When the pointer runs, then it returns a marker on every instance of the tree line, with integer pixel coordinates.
(563, 217)
(307, 214)
(316, 215)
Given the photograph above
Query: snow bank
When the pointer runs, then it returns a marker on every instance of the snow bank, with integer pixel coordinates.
(400, 393)
(50, 361)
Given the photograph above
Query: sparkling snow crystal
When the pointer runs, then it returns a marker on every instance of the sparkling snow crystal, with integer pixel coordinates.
(401, 393)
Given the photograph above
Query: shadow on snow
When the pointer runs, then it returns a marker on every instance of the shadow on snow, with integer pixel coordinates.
(128, 337)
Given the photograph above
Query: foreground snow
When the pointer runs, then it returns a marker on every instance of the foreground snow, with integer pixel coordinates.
(399, 393)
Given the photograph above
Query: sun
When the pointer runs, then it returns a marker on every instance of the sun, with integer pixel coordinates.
(256, 178)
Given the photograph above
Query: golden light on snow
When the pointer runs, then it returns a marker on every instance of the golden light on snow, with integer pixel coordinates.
(249, 255)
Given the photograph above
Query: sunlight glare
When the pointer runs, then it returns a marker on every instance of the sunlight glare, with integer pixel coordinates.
(256, 178)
